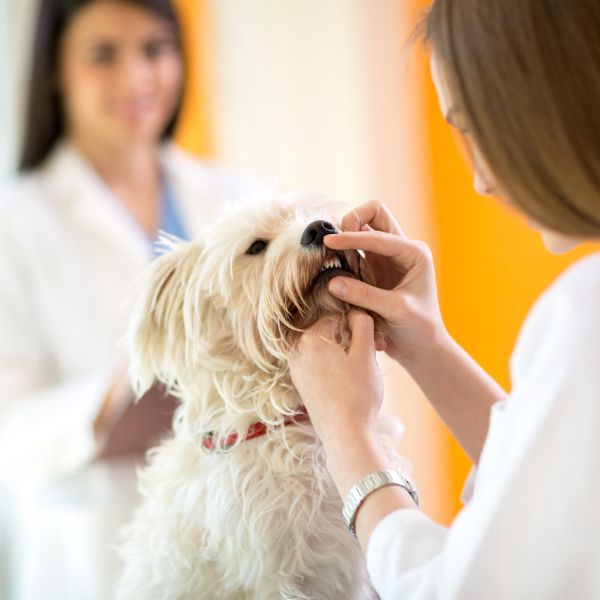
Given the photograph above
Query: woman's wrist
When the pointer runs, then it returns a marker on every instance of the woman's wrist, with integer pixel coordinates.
(349, 460)
(435, 347)
(352, 455)
(460, 391)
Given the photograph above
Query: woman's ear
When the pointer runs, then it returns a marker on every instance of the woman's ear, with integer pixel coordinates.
(157, 337)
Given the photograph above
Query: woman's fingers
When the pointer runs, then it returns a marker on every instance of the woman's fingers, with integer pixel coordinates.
(380, 342)
(358, 293)
(406, 252)
(374, 214)
(362, 329)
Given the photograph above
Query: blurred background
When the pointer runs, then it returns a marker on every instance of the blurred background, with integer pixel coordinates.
(326, 97)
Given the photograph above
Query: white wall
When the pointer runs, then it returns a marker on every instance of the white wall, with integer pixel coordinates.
(16, 23)
(318, 95)
(308, 91)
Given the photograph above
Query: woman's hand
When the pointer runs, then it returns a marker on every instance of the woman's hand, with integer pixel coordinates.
(406, 298)
(342, 390)
(406, 293)
(118, 397)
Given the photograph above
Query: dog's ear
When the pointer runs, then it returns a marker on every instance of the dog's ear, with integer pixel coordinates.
(157, 330)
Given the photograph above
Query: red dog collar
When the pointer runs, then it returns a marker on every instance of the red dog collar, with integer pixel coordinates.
(255, 430)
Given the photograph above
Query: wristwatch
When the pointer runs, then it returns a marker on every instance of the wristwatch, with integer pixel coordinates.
(368, 485)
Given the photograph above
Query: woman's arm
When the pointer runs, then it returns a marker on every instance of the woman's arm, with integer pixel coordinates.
(343, 395)
(344, 408)
(460, 391)
(405, 296)
(350, 458)
(51, 423)
(46, 429)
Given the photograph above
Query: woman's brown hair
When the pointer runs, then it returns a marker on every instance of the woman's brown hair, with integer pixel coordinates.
(525, 76)
(44, 120)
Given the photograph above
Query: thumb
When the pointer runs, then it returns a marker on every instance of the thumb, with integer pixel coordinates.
(362, 331)
(358, 293)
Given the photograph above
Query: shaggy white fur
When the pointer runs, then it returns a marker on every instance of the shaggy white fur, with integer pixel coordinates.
(215, 322)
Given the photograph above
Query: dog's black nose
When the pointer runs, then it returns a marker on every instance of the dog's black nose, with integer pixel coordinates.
(315, 232)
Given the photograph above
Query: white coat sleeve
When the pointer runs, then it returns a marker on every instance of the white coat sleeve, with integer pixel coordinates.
(46, 423)
(532, 528)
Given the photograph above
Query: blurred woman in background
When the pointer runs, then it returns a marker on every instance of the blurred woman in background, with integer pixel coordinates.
(99, 177)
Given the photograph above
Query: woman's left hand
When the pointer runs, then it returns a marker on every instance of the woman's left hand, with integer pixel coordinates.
(341, 389)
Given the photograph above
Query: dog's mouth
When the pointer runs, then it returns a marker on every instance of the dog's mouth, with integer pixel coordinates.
(304, 296)
(316, 299)
(337, 263)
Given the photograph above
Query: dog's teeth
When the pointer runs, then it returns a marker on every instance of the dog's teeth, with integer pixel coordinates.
(333, 262)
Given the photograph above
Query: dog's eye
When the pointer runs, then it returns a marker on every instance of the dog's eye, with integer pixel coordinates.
(257, 246)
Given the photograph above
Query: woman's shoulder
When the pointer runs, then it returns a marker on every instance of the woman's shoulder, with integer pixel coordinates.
(29, 191)
(20, 195)
(582, 277)
(21, 216)
(30, 202)
(564, 323)
(17, 187)
(574, 296)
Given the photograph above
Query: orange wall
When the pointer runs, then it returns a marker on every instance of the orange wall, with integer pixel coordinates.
(490, 265)
(194, 131)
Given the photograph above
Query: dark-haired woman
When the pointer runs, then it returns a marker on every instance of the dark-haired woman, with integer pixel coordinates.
(521, 80)
(99, 179)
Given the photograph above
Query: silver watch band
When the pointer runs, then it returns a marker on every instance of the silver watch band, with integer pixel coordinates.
(367, 486)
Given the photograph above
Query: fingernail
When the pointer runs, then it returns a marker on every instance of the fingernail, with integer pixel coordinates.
(338, 287)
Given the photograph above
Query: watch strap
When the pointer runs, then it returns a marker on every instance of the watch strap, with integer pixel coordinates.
(367, 486)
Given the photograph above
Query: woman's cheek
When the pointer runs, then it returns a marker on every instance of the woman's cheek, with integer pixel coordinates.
(170, 76)
(85, 94)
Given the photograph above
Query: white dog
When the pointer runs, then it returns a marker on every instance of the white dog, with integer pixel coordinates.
(238, 503)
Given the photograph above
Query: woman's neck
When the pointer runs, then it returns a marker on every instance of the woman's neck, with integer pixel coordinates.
(122, 165)
(132, 173)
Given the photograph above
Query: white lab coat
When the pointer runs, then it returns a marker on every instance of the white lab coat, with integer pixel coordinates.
(531, 529)
(69, 253)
